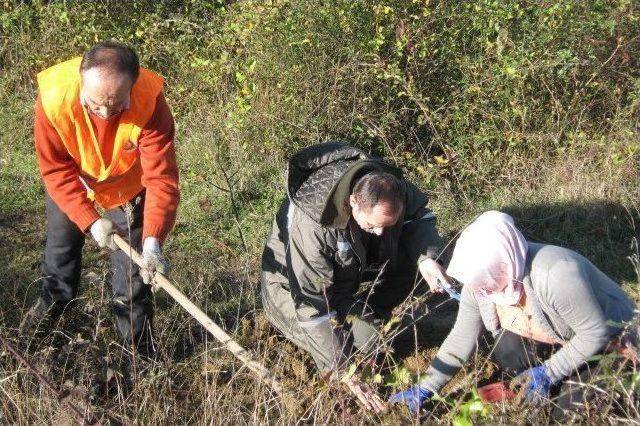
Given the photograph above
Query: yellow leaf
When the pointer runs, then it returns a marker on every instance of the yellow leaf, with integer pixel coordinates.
(441, 160)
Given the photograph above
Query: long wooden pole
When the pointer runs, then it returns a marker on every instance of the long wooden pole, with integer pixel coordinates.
(162, 282)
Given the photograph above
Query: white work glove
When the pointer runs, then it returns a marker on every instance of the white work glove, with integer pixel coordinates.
(152, 260)
(433, 272)
(102, 231)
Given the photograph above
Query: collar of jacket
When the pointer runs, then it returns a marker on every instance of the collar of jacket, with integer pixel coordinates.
(320, 178)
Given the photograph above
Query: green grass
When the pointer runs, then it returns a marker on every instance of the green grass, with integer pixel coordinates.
(487, 105)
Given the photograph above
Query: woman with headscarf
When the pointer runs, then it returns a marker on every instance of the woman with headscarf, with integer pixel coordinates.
(548, 308)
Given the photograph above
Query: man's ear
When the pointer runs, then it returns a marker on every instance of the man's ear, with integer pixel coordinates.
(352, 201)
(83, 101)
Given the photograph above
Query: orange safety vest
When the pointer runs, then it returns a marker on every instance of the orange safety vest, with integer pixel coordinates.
(111, 182)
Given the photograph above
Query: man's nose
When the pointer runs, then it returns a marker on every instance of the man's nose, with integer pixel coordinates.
(106, 112)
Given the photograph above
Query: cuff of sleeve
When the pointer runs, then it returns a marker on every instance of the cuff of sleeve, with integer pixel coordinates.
(158, 231)
(151, 245)
(554, 375)
(431, 254)
(332, 365)
(426, 386)
(85, 217)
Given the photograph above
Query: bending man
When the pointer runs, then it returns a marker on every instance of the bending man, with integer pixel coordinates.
(348, 219)
(104, 137)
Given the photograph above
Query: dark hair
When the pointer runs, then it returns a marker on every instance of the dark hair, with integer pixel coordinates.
(113, 56)
(376, 187)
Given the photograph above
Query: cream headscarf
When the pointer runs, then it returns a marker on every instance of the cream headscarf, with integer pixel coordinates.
(490, 253)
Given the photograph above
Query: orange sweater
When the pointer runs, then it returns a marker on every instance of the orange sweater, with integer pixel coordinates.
(159, 172)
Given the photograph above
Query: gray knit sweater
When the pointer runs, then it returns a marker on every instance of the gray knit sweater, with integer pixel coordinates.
(573, 301)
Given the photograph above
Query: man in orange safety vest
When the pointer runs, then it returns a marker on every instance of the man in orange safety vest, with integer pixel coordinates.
(104, 137)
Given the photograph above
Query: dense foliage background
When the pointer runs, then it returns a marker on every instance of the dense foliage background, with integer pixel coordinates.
(527, 106)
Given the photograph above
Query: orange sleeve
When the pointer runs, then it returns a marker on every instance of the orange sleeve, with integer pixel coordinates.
(60, 173)
(159, 172)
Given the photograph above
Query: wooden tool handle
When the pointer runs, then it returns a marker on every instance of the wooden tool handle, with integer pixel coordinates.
(162, 282)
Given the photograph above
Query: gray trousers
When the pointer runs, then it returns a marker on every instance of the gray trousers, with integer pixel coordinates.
(62, 262)
(331, 348)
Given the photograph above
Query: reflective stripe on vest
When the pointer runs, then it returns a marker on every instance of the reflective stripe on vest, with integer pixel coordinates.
(59, 88)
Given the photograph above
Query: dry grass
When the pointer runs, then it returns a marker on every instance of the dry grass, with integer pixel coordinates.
(553, 142)
(197, 381)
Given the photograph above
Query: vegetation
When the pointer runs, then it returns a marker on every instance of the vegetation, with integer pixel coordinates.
(526, 106)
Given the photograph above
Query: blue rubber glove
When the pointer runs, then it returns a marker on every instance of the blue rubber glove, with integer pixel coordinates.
(535, 385)
(414, 397)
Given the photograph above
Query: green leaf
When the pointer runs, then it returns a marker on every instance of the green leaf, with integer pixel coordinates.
(350, 372)
(462, 419)
(399, 377)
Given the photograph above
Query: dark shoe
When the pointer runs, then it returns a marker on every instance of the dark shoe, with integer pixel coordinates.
(145, 347)
(39, 320)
